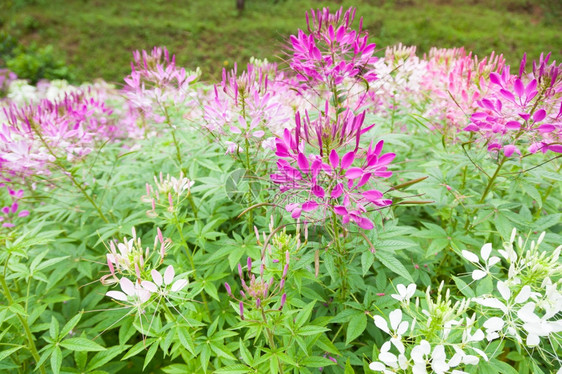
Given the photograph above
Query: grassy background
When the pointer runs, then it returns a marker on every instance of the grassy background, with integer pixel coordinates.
(97, 36)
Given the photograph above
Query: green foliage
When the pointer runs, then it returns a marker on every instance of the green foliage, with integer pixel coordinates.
(32, 62)
(98, 37)
(35, 63)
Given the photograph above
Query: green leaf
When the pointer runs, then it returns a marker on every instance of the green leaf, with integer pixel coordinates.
(50, 262)
(8, 352)
(103, 357)
(503, 367)
(222, 351)
(317, 362)
(245, 353)
(463, 287)
(356, 326)
(137, 348)
(185, 339)
(54, 328)
(533, 193)
(150, 355)
(367, 259)
(126, 330)
(80, 358)
(311, 330)
(348, 368)
(233, 369)
(81, 344)
(70, 324)
(390, 261)
(304, 314)
(56, 360)
(326, 345)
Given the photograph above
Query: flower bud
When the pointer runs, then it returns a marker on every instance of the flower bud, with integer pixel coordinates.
(283, 299)
(285, 270)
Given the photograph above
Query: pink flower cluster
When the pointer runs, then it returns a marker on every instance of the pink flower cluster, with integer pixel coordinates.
(247, 108)
(332, 51)
(332, 184)
(522, 109)
(156, 82)
(332, 181)
(33, 136)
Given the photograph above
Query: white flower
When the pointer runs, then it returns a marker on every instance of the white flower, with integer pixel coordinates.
(398, 327)
(460, 356)
(160, 284)
(132, 293)
(419, 355)
(390, 359)
(492, 326)
(438, 360)
(404, 293)
(379, 366)
(232, 147)
(173, 184)
(488, 261)
(536, 326)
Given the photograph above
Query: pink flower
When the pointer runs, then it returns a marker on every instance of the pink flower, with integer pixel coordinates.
(332, 51)
(331, 184)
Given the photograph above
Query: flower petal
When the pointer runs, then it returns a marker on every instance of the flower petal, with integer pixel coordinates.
(470, 256)
(127, 286)
(179, 285)
(156, 277)
(147, 285)
(169, 275)
(381, 323)
(485, 251)
(117, 295)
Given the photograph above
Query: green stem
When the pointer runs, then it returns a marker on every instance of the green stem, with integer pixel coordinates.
(69, 173)
(192, 204)
(271, 340)
(88, 197)
(168, 311)
(491, 180)
(176, 144)
(190, 257)
(31, 343)
(548, 191)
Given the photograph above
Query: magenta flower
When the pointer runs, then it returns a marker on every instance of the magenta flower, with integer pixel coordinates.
(11, 211)
(522, 109)
(334, 186)
(331, 51)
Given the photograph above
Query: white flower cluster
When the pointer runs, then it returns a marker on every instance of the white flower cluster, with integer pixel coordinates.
(440, 336)
(401, 74)
(130, 260)
(129, 257)
(430, 329)
(530, 297)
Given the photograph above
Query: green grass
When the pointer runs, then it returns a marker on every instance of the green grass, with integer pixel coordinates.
(97, 36)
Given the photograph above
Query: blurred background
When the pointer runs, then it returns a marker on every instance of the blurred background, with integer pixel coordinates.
(81, 40)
